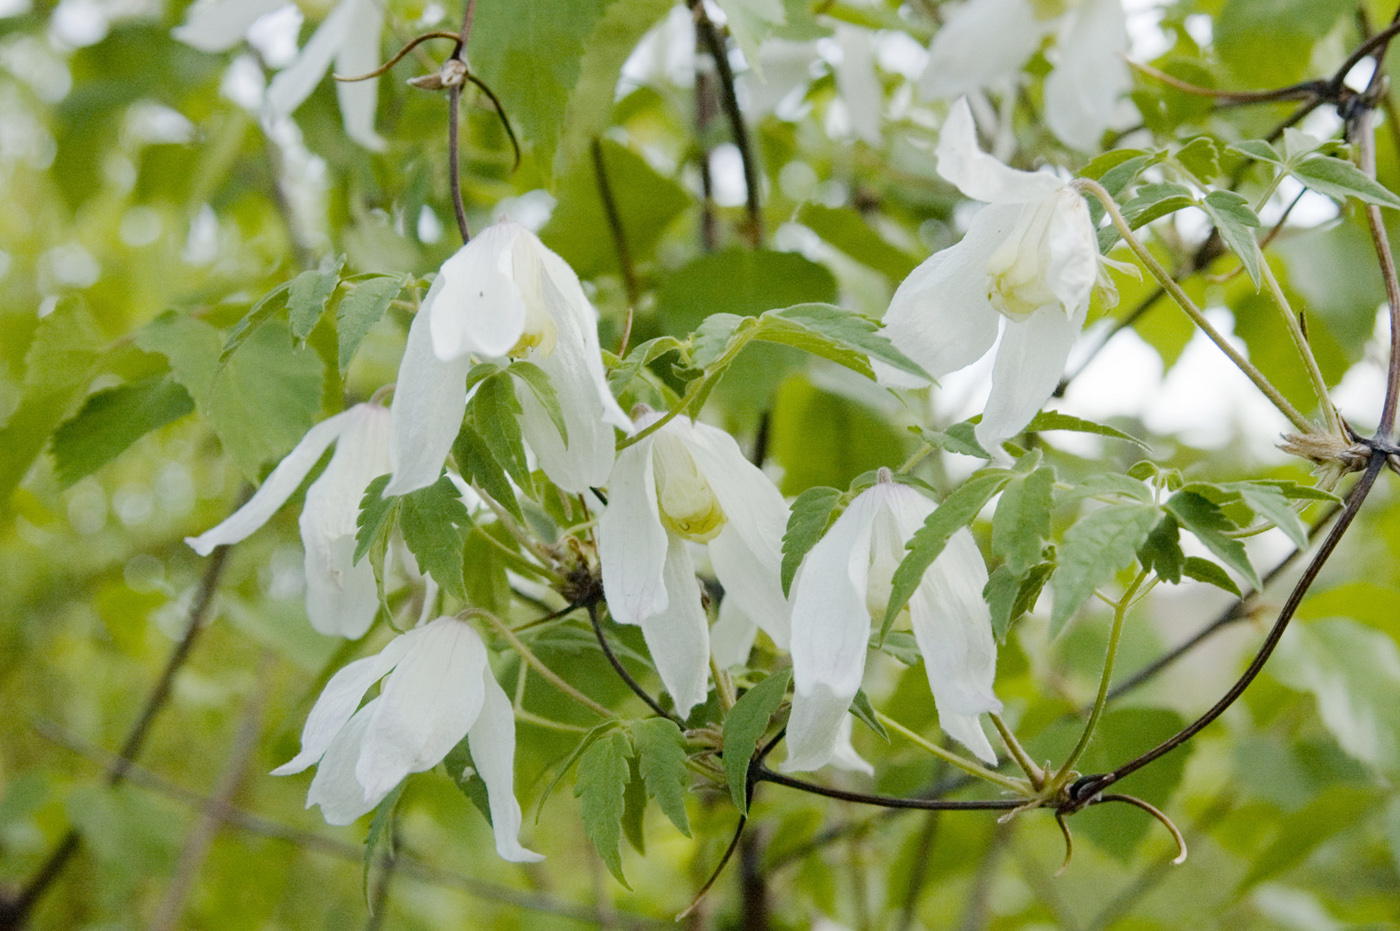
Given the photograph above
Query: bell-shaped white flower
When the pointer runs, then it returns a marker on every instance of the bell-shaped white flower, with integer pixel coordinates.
(690, 482)
(349, 36)
(341, 598)
(1030, 258)
(437, 688)
(844, 586)
(505, 295)
(985, 43)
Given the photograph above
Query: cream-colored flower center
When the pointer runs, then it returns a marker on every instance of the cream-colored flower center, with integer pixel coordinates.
(1045, 10)
(886, 553)
(540, 332)
(688, 505)
(1019, 268)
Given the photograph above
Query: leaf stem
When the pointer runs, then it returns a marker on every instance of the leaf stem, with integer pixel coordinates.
(1300, 342)
(1019, 786)
(1018, 753)
(528, 656)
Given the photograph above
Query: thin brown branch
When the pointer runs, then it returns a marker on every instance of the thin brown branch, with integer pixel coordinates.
(410, 46)
(729, 101)
(619, 233)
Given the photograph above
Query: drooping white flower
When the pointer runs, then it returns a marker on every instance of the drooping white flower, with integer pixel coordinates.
(437, 688)
(844, 585)
(689, 481)
(985, 43)
(349, 36)
(502, 295)
(340, 596)
(1030, 258)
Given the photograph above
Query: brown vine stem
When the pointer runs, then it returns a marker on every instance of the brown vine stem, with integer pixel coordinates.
(729, 101)
(621, 670)
(15, 911)
(760, 773)
(454, 100)
(619, 237)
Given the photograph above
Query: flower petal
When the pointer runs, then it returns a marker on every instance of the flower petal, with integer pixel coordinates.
(981, 43)
(220, 25)
(1029, 363)
(492, 742)
(295, 83)
(426, 414)
(979, 175)
(426, 704)
(335, 788)
(678, 637)
(477, 307)
(732, 635)
(844, 756)
(830, 628)
(940, 315)
(859, 84)
(1074, 254)
(342, 598)
(359, 54)
(1084, 91)
(338, 702)
(631, 540)
(277, 488)
(576, 319)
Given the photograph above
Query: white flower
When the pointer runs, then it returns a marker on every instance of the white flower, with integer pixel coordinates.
(844, 585)
(437, 688)
(504, 294)
(988, 42)
(341, 598)
(1030, 256)
(349, 36)
(689, 481)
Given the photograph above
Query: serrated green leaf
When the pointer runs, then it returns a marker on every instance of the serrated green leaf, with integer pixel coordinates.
(478, 465)
(375, 519)
(1161, 553)
(1204, 518)
(639, 358)
(810, 516)
(1341, 179)
(1268, 502)
(1257, 149)
(1236, 221)
(1115, 484)
(110, 421)
(435, 524)
(661, 758)
(307, 297)
(601, 787)
(584, 743)
(960, 438)
(901, 645)
(956, 511)
(744, 726)
(1201, 157)
(379, 834)
(1154, 201)
(634, 809)
(843, 330)
(865, 712)
(1295, 492)
(713, 336)
(1203, 570)
(261, 312)
(543, 389)
(462, 771)
(1022, 519)
(1009, 596)
(495, 413)
(358, 312)
(1096, 548)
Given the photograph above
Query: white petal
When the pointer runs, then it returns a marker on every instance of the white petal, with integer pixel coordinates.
(981, 43)
(338, 702)
(1029, 363)
(748, 553)
(1074, 254)
(295, 83)
(844, 756)
(940, 315)
(979, 175)
(733, 634)
(631, 540)
(966, 729)
(341, 597)
(426, 705)
(859, 84)
(275, 491)
(359, 54)
(426, 414)
(1083, 92)
(335, 788)
(492, 742)
(678, 637)
(953, 628)
(476, 305)
(830, 629)
(221, 24)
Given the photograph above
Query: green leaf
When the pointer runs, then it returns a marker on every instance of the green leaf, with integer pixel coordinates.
(1303, 831)
(843, 330)
(261, 312)
(1154, 201)
(435, 524)
(375, 520)
(634, 809)
(603, 774)
(584, 743)
(901, 645)
(862, 709)
(847, 230)
(478, 465)
(1236, 221)
(307, 297)
(359, 311)
(1161, 553)
(495, 413)
(379, 834)
(1258, 149)
(1203, 570)
(1340, 179)
(1095, 549)
(543, 389)
(810, 516)
(1268, 501)
(1022, 519)
(750, 22)
(1201, 157)
(744, 726)
(661, 755)
(960, 438)
(111, 420)
(462, 771)
(639, 358)
(713, 337)
(956, 512)
(1009, 596)
(1205, 519)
